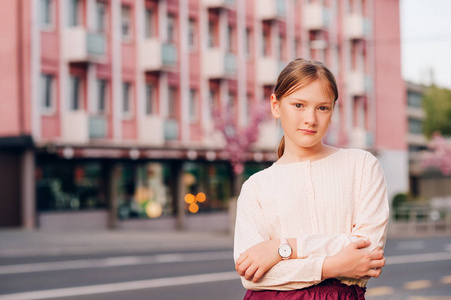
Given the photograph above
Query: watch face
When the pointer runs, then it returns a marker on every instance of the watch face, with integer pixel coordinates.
(285, 251)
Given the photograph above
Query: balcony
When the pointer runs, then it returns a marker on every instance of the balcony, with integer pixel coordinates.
(268, 69)
(357, 27)
(79, 45)
(270, 9)
(316, 17)
(219, 3)
(359, 83)
(218, 64)
(362, 139)
(171, 130)
(74, 127)
(156, 56)
(98, 127)
(150, 131)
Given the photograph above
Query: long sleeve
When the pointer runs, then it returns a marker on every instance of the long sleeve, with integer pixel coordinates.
(251, 229)
(370, 216)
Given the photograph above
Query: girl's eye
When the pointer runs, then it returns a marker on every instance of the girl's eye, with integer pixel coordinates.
(298, 105)
(324, 108)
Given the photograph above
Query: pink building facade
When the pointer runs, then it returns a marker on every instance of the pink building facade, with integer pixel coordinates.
(107, 110)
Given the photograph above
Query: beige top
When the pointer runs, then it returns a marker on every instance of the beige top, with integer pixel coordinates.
(325, 204)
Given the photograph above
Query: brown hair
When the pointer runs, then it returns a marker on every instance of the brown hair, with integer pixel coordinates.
(301, 72)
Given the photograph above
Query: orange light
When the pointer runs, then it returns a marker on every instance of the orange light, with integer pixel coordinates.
(154, 210)
(193, 208)
(189, 198)
(201, 197)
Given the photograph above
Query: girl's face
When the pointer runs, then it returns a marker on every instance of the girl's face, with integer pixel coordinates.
(305, 115)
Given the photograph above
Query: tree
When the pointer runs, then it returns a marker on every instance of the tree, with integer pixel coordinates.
(437, 105)
(440, 156)
(239, 140)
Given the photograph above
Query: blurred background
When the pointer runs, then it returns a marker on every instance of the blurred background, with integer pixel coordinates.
(128, 126)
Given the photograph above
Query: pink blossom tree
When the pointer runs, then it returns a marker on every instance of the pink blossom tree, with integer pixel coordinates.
(239, 140)
(440, 155)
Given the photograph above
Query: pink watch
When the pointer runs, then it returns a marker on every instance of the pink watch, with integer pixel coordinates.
(284, 249)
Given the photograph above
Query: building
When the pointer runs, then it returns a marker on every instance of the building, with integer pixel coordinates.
(106, 117)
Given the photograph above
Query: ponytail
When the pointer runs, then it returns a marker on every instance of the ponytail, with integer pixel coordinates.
(281, 148)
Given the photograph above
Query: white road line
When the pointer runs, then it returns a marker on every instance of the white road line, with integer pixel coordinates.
(115, 262)
(417, 258)
(121, 286)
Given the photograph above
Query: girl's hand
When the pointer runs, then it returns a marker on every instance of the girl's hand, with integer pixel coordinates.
(257, 260)
(353, 262)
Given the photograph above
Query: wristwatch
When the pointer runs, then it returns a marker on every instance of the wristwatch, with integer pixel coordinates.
(284, 249)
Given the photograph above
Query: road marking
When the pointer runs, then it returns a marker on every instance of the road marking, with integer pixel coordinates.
(418, 284)
(115, 262)
(416, 258)
(446, 279)
(379, 291)
(122, 286)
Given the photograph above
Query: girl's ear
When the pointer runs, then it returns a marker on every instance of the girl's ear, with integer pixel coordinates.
(275, 107)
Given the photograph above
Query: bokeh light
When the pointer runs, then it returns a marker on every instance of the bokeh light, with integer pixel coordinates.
(200, 197)
(190, 198)
(193, 208)
(154, 210)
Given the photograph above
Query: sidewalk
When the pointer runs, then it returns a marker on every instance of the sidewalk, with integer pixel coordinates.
(22, 243)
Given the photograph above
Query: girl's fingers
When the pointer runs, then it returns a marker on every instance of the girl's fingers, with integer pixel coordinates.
(377, 263)
(375, 272)
(250, 272)
(258, 275)
(242, 268)
(376, 255)
(242, 258)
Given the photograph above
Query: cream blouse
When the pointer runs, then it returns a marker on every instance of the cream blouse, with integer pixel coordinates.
(325, 204)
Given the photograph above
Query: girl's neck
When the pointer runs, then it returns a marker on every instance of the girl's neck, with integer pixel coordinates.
(316, 152)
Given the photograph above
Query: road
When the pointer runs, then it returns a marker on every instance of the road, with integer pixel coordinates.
(416, 269)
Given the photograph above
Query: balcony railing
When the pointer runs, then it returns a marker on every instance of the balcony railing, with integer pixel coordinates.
(357, 27)
(79, 45)
(151, 131)
(316, 16)
(212, 66)
(359, 83)
(171, 130)
(155, 55)
(270, 9)
(219, 3)
(268, 69)
(75, 127)
(98, 127)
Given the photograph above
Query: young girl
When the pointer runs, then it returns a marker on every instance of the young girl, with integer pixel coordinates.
(312, 225)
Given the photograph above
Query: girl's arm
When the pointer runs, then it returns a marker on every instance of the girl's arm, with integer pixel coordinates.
(370, 223)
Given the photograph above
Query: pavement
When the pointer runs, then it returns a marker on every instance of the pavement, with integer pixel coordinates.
(21, 243)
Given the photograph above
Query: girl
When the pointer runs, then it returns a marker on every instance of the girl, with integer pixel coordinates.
(312, 225)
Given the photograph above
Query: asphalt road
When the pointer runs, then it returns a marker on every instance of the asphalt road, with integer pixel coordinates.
(416, 269)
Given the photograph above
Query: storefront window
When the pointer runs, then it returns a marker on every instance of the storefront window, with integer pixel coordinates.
(144, 191)
(207, 187)
(70, 186)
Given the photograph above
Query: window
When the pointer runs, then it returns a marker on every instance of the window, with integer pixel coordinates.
(193, 106)
(192, 34)
(102, 96)
(212, 34)
(171, 29)
(126, 99)
(212, 95)
(266, 43)
(46, 13)
(229, 41)
(150, 23)
(248, 42)
(231, 103)
(126, 23)
(415, 126)
(172, 103)
(101, 16)
(47, 95)
(75, 12)
(76, 93)
(150, 99)
(281, 47)
(413, 99)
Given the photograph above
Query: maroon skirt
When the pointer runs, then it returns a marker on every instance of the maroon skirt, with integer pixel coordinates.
(330, 289)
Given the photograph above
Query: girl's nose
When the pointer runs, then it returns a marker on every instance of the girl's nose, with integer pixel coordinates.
(310, 117)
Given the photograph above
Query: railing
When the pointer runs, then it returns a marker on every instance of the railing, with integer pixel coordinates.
(416, 220)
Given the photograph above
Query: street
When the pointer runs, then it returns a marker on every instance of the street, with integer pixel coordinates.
(416, 269)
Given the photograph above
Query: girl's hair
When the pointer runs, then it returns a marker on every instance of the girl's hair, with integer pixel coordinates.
(299, 73)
